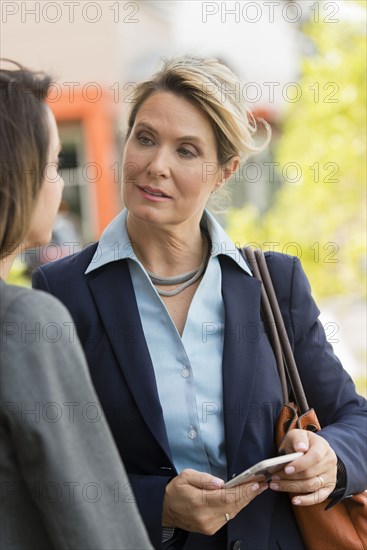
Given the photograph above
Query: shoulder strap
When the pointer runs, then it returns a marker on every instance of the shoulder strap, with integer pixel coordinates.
(286, 364)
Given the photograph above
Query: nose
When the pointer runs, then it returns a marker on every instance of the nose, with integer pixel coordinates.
(158, 166)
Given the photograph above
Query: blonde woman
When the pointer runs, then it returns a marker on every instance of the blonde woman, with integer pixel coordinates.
(166, 308)
(62, 482)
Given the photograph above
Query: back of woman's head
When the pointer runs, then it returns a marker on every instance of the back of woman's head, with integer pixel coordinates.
(215, 89)
(24, 138)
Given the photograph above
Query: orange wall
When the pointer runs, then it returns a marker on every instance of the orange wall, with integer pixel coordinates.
(97, 119)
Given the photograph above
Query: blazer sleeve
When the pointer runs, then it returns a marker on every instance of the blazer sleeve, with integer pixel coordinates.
(329, 388)
(149, 491)
(59, 434)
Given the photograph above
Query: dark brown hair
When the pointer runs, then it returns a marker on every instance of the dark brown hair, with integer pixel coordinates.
(24, 138)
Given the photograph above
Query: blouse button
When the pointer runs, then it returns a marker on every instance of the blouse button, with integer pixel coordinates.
(185, 373)
(192, 433)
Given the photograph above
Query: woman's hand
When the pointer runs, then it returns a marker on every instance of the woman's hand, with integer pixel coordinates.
(199, 502)
(313, 476)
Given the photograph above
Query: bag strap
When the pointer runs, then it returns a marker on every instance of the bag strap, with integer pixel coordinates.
(286, 364)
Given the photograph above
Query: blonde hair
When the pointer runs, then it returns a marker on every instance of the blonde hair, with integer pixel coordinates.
(215, 89)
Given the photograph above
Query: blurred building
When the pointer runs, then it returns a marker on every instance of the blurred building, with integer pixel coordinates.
(95, 55)
(97, 51)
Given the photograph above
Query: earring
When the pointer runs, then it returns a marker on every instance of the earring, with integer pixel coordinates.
(213, 192)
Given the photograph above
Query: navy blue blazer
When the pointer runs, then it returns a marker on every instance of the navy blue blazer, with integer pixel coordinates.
(105, 312)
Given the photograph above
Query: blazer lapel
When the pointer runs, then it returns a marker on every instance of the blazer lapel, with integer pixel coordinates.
(114, 295)
(241, 296)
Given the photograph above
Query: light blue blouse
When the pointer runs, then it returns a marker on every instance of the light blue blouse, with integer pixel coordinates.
(188, 370)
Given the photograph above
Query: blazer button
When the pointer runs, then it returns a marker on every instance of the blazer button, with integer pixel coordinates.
(237, 545)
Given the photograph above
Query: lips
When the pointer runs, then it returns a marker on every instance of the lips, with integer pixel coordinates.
(153, 191)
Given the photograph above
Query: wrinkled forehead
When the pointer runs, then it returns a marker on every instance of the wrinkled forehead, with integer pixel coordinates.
(168, 111)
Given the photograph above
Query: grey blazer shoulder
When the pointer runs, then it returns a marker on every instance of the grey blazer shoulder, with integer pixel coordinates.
(63, 483)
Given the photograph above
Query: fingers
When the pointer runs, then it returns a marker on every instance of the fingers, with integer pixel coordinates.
(296, 441)
(201, 480)
(226, 503)
(313, 476)
(236, 498)
(199, 502)
(307, 492)
(318, 457)
(319, 495)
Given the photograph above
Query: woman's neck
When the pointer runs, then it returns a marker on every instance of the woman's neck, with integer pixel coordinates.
(6, 265)
(166, 252)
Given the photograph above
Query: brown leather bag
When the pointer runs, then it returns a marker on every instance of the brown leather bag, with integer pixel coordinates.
(342, 526)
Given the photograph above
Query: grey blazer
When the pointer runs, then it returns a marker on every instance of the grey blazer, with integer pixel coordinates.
(62, 482)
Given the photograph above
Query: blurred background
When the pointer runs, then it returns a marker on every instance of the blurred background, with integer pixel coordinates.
(301, 66)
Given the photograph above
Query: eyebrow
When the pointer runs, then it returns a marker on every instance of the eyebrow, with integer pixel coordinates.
(196, 139)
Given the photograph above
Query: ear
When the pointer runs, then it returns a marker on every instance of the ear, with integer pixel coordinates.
(229, 168)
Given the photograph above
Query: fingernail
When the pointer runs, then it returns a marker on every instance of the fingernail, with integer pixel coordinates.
(296, 500)
(274, 486)
(302, 446)
(275, 478)
(216, 481)
(289, 470)
(255, 487)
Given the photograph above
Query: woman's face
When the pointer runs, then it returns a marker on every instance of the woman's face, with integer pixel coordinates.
(170, 162)
(49, 197)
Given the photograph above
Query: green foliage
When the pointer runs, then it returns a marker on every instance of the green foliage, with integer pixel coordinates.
(321, 207)
(18, 275)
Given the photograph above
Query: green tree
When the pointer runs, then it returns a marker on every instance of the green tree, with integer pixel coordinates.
(321, 207)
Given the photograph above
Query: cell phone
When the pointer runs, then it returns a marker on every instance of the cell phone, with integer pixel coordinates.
(262, 470)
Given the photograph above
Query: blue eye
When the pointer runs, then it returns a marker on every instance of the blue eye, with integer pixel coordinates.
(186, 153)
(144, 140)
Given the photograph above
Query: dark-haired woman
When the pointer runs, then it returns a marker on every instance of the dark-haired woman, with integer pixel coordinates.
(62, 483)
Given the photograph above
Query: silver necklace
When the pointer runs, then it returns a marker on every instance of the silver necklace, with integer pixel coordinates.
(184, 280)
